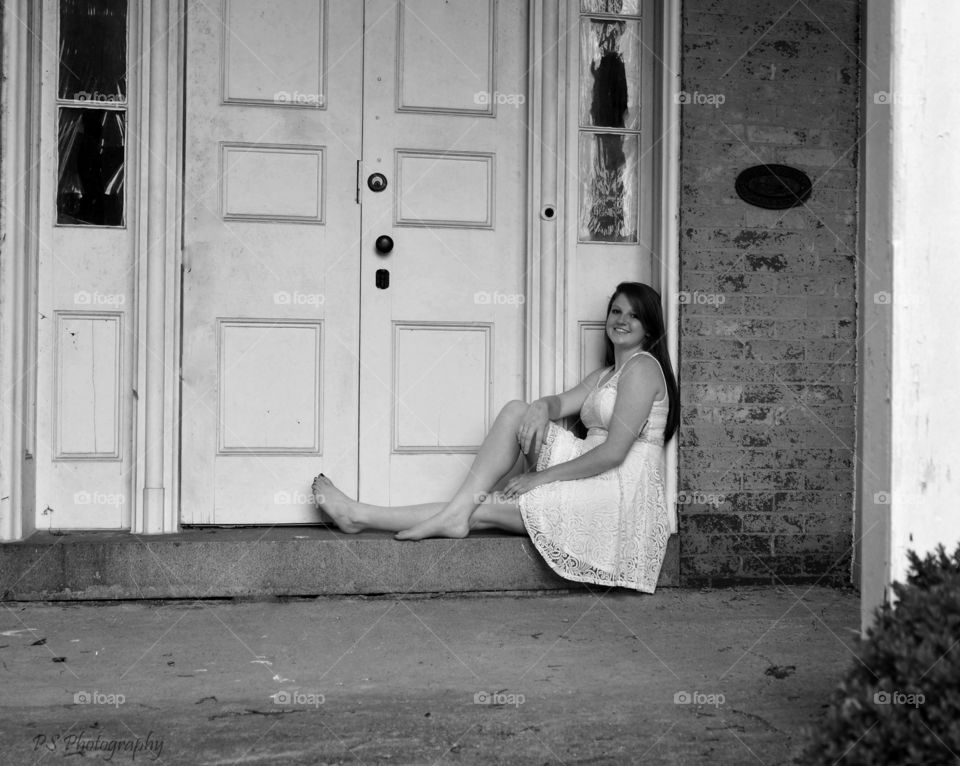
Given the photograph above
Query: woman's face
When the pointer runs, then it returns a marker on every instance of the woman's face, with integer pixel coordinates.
(624, 329)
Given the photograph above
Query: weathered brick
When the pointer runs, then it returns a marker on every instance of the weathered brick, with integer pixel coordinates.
(767, 375)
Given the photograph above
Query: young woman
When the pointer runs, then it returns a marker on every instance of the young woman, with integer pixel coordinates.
(593, 507)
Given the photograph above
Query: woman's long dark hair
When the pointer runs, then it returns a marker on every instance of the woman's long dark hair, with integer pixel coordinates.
(645, 302)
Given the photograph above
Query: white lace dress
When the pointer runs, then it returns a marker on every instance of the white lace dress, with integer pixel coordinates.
(608, 529)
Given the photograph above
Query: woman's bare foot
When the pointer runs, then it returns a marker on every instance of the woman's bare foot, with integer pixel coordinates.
(336, 505)
(447, 523)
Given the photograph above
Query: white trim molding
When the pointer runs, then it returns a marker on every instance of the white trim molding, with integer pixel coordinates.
(669, 228)
(158, 334)
(18, 157)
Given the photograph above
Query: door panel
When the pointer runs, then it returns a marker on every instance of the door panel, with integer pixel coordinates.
(271, 226)
(442, 347)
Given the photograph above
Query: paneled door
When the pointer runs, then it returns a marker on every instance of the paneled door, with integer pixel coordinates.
(86, 269)
(354, 248)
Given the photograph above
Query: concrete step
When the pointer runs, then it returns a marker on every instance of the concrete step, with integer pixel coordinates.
(272, 561)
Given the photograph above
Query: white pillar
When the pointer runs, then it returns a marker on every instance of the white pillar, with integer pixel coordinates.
(152, 517)
(925, 418)
(19, 150)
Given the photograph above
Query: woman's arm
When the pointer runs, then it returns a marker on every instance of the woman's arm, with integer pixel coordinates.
(547, 408)
(638, 386)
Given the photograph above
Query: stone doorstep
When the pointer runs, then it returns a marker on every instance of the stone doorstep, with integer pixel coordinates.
(231, 562)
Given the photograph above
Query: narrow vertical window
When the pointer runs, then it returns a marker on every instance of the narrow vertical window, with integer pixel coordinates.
(92, 112)
(610, 76)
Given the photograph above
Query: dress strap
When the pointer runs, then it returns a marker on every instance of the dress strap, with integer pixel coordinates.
(616, 374)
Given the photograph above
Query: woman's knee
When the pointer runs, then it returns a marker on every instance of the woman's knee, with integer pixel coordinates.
(516, 409)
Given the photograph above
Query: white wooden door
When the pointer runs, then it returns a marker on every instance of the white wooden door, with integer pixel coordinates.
(87, 240)
(271, 242)
(442, 346)
(298, 356)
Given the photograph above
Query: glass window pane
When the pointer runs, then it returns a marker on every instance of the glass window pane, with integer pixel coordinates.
(608, 187)
(93, 50)
(90, 177)
(610, 74)
(620, 7)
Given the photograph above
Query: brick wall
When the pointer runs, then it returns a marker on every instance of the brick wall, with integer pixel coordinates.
(767, 342)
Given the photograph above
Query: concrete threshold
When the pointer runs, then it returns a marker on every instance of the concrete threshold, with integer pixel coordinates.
(252, 562)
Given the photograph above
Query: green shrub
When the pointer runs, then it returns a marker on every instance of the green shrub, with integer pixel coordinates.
(900, 703)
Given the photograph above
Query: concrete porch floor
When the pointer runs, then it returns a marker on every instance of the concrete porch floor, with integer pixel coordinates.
(595, 676)
(217, 562)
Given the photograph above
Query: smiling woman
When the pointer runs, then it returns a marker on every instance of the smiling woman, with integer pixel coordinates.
(594, 507)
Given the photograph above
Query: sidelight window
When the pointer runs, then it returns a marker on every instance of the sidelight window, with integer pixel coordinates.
(91, 112)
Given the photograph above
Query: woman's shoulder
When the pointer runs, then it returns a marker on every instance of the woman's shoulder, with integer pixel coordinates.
(644, 368)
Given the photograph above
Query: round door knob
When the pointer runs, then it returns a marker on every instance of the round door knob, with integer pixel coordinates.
(384, 244)
(377, 182)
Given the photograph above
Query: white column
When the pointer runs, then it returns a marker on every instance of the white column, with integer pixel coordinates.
(151, 519)
(925, 418)
(17, 317)
(669, 224)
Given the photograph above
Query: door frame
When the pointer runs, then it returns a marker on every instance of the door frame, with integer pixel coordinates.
(158, 208)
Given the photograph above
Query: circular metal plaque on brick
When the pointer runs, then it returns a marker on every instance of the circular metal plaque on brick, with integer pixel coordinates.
(774, 187)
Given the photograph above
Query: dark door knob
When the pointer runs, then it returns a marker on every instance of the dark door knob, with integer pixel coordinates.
(384, 244)
(377, 182)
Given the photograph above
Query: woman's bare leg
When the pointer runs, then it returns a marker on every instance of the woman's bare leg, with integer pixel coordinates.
(495, 458)
(352, 517)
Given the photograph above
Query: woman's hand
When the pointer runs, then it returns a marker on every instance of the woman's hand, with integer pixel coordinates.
(533, 427)
(522, 484)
